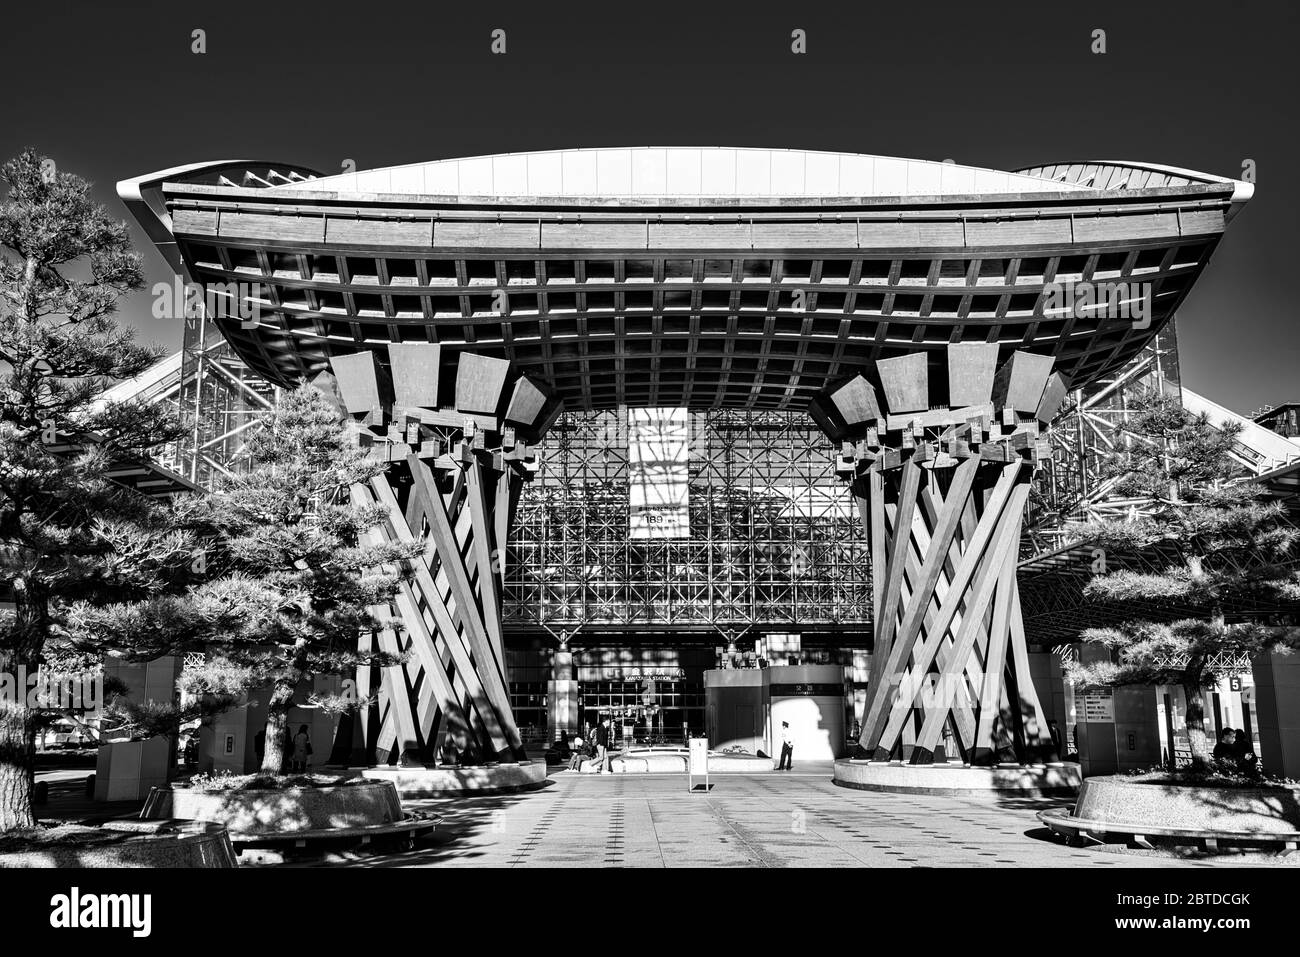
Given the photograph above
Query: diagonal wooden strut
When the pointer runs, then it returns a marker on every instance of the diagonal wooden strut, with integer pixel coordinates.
(1004, 537)
(892, 669)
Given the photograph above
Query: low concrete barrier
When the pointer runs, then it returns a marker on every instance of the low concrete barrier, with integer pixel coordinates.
(431, 782)
(1037, 779)
(667, 761)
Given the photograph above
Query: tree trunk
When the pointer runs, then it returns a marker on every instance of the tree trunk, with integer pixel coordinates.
(17, 721)
(277, 722)
(1196, 738)
(1193, 675)
(17, 764)
(273, 749)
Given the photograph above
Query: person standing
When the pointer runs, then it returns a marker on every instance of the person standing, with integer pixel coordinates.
(301, 750)
(602, 747)
(787, 748)
(1244, 752)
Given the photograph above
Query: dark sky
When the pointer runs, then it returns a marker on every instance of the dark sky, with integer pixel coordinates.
(112, 90)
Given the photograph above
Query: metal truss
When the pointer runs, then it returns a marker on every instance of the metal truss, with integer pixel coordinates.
(218, 398)
(1071, 487)
(1071, 490)
(773, 535)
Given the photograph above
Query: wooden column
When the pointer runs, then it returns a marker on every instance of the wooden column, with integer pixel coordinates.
(942, 479)
(453, 476)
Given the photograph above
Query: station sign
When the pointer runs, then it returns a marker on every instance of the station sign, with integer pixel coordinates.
(1099, 707)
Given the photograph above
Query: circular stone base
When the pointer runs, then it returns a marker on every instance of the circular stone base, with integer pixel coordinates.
(134, 844)
(1035, 779)
(434, 782)
(268, 811)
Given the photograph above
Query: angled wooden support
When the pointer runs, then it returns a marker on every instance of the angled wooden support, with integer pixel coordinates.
(424, 645)
(473, 420)
(893, 674)
(479, 505)
(1036, 735)
(886, 613)
(940, 467)
(399, 732)
(461, 627)
(999, 552)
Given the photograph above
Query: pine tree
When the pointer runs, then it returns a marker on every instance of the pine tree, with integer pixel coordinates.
(1233, 549)
(284, 551)
(68, 533)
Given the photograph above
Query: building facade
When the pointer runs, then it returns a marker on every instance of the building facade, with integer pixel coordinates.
(690, 308)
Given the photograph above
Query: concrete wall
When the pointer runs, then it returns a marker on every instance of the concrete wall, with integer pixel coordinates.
(745, 708)
(1130, 742)
(816, 720)
(1277, 714)
(1049, 682)
(231, 742)
(126, 770)
(147, 681)
(736, 707)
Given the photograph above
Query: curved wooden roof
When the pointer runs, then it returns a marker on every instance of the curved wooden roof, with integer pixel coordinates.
(719, 298)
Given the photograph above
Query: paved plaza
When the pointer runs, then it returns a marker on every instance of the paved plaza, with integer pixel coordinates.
(761, 820)
(797, 819)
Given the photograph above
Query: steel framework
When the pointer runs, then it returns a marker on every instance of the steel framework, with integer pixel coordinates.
(773, 535)
(1071, 488)
(772, 538)
(217, 397)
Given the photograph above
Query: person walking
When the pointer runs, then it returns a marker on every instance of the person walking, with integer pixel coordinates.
(301, 750)
(602, 747)
(787, 748)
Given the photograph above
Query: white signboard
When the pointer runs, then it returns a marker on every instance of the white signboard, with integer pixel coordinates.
(698, 762)
(658, 452)
(1099, 707)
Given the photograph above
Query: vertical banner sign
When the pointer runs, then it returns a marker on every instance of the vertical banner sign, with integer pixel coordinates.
(658, 444)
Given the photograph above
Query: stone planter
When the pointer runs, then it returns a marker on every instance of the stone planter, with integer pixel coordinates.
(282, 812)
(1148, 808)
(133, 845)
